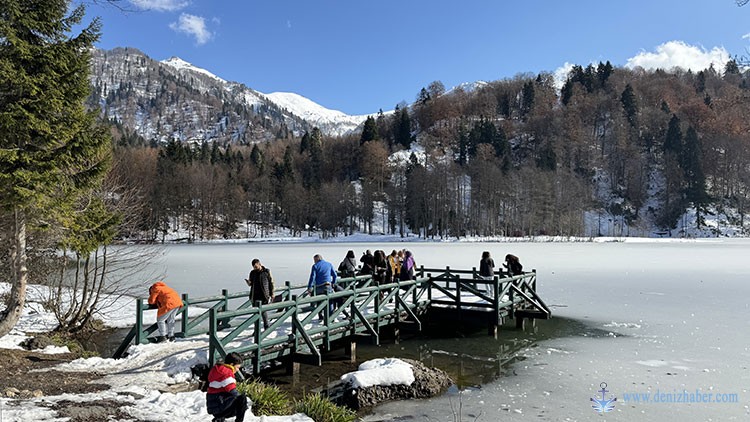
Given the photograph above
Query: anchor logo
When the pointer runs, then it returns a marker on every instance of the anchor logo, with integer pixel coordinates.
(603, 405)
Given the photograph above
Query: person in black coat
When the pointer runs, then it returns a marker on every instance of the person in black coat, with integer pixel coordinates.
(513, 264)
(487, 269)
(379, 267)
(260, 281)
(367, 261)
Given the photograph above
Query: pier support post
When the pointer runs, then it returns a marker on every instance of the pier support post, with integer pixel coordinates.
(351, 351)
(293, 369)
(520, 322)
(492, 330)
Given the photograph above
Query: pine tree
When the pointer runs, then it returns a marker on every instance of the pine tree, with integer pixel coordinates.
(402, 128)
(695, 179)
(314, 176)
(700, 83)
(423, 97)
(731, 68)
(256, 157)
(370, 131)
(603, 72)
(463, 145)
(566, 93)
(547, 159)
(629, 105)
(673, 140)
(51, 149)
(527, 99)
(304, 144)
(674, 204)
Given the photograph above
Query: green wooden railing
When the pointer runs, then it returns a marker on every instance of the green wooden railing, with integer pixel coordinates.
(300, 324)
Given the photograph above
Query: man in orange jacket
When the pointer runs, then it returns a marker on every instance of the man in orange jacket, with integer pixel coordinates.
(168, 302)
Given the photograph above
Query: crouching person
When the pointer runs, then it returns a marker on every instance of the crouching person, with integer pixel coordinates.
(222, 398)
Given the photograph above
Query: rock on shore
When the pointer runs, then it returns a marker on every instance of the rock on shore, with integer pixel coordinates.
(428, 382)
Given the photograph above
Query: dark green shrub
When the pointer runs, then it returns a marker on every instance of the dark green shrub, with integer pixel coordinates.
(320, 409)
(268, 400)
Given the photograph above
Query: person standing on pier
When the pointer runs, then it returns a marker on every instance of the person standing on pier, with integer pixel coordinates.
(379, 267)
(487, 269)
(394, 265)
(322, 277)
(168, 303)
(348, 267)
(407, 268)
(513, 264)
(261, 287)
(367, 261)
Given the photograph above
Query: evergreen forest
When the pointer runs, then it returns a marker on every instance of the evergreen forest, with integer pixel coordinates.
(514, 157)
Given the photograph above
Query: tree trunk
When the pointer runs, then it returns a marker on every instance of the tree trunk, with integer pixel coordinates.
(19, 274)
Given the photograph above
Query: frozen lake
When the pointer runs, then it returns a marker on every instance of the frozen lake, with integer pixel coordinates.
(676, 316)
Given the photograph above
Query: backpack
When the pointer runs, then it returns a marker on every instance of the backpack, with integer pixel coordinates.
(200, 373)
(344, 271)
(516, 268)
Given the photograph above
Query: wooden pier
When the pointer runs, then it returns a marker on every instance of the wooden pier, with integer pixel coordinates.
(302, 327)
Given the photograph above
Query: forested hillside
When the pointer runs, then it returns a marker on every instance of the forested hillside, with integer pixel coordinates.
(511, 157)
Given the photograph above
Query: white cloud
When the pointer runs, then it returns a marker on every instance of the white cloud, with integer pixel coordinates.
(561, 75)
(680, 54)
(194, 26)
(160, 5)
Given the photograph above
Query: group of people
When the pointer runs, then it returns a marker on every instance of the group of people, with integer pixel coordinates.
(487, 266)
(398, 265)
(222, 398)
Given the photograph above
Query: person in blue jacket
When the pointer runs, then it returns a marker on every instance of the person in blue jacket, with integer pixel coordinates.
(322, 277)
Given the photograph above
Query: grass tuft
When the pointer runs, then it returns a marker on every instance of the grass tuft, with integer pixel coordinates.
(268, 400)
(320, 409)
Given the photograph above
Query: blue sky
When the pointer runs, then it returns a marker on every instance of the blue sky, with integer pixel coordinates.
(358, 57)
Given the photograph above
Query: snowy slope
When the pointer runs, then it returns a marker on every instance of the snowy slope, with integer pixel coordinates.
(329, 121)
(182, 65)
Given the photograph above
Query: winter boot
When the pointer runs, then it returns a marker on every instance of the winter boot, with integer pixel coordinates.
(170, 338)
(161, 339)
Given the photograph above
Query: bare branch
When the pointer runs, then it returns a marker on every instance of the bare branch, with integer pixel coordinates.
(121, 5)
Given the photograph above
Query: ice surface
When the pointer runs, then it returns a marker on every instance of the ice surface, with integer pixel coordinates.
(677, 312)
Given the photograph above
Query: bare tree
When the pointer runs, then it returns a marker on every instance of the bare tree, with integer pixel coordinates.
(87, 284)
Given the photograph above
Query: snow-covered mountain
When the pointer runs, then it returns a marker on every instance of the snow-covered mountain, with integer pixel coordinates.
(182, 65)
(331, 122)
(328, 121)
(172, 99)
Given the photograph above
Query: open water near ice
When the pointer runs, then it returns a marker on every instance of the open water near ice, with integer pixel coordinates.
(644, 317)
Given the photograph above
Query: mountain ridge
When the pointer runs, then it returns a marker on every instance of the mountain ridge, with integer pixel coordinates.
(175, 100)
